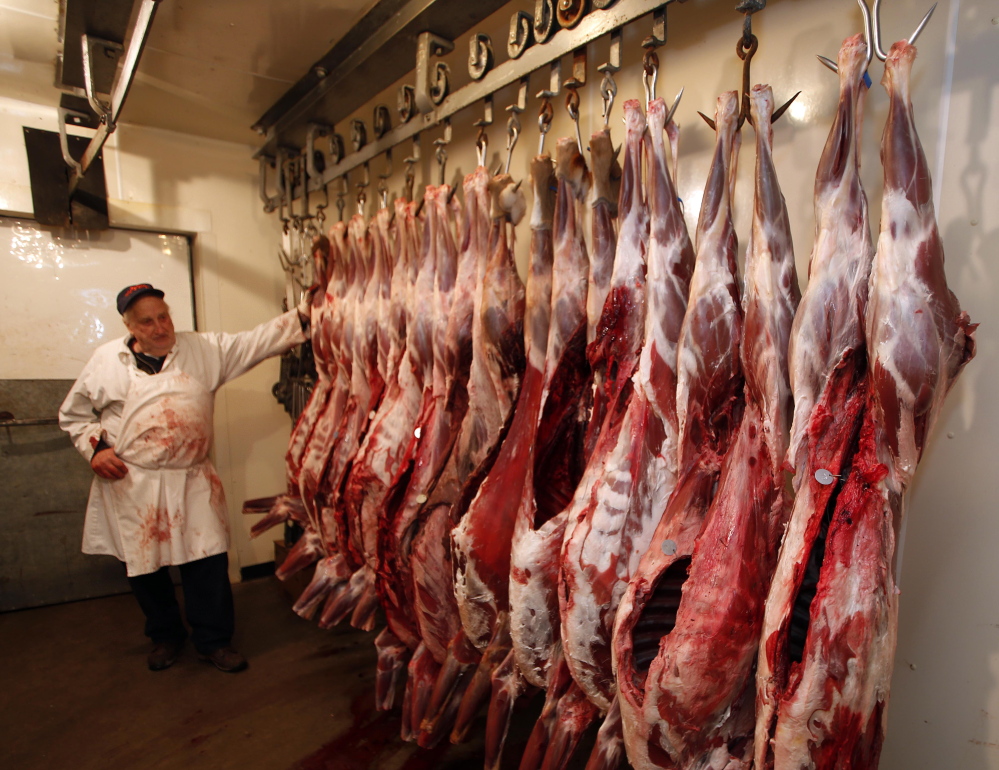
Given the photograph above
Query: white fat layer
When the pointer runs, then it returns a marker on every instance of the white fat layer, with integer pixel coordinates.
(534, 615)
(471, 591)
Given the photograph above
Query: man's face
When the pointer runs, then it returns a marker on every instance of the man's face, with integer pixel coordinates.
(151, 325)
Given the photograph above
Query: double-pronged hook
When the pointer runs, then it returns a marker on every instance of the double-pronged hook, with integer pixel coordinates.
(872, 31)
(746, 48)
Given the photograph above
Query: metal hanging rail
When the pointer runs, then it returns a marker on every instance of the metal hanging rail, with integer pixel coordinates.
(429, 95)
(109, 113)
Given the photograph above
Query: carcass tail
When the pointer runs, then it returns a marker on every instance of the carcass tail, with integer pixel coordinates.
(608, 752)
(423, 671)
(508, 684)
(306, 551)
(393, 656)
(330, 573)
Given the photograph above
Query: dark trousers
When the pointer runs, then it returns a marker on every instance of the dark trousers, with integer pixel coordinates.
(207, 603)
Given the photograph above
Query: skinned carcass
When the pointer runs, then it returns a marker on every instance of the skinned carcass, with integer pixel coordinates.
(613, 355)
(709, 389)
(828, 375)
(481, 541)
(493, 384)
(833, 712)
(540, 523)
(704, 685)
(329, 291)
(446, 284)
(639, 473)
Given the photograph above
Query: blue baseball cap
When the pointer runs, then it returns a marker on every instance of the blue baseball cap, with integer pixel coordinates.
(129, 294)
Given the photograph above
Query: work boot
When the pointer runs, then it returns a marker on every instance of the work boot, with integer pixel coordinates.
(164, 655)
(226, 659)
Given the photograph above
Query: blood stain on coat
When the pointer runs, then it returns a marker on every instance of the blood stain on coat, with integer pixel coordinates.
(156, 527)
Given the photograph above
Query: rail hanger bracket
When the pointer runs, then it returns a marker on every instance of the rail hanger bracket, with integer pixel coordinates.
(431, 77)
(51, 157)
(67, 172)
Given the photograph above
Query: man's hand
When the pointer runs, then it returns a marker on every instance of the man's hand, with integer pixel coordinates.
(107, 465)
(305, 304)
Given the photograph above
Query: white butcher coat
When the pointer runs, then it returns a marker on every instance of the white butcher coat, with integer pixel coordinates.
(170, 507)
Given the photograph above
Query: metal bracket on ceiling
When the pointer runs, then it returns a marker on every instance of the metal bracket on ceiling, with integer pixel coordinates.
(65, 115)
(92, 47)
(431, 78)
(315, 162)
(480, 56)
(270, 201)
(521, 34)
(109, 113)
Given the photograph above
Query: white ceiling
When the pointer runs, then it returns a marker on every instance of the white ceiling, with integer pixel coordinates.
(210, 68)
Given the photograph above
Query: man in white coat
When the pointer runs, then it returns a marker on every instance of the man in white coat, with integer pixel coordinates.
(141, 414)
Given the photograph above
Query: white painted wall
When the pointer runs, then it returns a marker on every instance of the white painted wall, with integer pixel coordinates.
(167, 182)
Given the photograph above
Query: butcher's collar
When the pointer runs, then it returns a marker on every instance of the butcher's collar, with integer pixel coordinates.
(125, 348)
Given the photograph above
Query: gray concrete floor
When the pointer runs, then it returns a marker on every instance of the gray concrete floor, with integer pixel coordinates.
(75, 692)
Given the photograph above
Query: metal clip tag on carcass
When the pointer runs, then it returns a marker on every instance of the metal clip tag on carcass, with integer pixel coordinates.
(669, 547)
(825, 477)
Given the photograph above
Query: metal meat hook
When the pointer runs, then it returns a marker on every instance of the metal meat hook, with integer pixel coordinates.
(441, 152)
(362, 195)
(572, 106)
(482, 139)
(383, 178)
(650, 74)
(608, 86)
(513, 124)
(341, 204)
(410, 162)
(872, 32)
